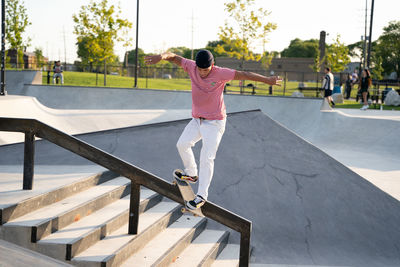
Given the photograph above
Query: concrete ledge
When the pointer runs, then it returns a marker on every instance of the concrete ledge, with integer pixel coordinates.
(166, 246)
(16, 210)
(119, 245)
(82, 234)
(203, 250)
(13, 255)
(54, 217)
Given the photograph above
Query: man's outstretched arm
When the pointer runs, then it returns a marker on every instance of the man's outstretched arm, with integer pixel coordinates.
(247, 75)
(171, 57)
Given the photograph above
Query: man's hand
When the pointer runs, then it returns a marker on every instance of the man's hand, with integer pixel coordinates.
(275, 80)
(151, 60)
(247, 75)
(171, 57)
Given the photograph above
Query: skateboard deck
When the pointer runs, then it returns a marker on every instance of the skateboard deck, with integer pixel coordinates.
(187, 195)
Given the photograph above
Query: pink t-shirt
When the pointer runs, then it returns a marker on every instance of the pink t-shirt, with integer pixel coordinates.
(207, 93)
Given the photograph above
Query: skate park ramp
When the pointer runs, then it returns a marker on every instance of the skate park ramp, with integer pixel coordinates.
(306, 207)
(17, 79)
(366, 142)
(77, 121)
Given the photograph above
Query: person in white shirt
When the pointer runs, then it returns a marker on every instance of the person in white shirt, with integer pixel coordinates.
(327, 86)
(58, 72)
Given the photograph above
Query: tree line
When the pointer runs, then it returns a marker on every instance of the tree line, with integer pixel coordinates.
(99, 26)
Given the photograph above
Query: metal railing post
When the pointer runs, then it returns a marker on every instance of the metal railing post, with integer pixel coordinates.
(244, 257)
(29, 153)
(134, 209)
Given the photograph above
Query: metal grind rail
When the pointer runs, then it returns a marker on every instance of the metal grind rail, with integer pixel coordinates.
(34, 128)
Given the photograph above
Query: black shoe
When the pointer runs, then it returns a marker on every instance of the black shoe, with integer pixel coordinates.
(196, 203)
(180, 175)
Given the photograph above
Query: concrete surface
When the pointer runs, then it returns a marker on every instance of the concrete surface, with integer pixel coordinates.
(11, 191)
(17, 79)
(12, 255)
(306, 207)
(79, 121)
(364, 141)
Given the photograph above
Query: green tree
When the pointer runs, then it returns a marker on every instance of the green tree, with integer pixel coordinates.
(267, 57)
(83, 52)
(220, 48)
(181, 51)
(39, 57)
(132, 57)
(98, 25)
(337, 56)
(16, 23)
(249, 25)
(316, 67)
(388, 48)
(356, 50)
(302, 49)
(377, 68)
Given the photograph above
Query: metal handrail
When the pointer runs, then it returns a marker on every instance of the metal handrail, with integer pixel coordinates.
(138, 177)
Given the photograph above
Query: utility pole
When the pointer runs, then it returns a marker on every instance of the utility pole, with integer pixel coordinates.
(192, 34)
(3, 48)
(322, 37)
(370, 34)
(365, 36)
(137, 46)
(65, 50)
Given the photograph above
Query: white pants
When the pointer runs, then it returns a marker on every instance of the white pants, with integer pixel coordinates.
(211, 132)
(58, 75)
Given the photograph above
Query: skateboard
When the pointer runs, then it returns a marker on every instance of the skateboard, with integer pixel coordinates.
(187, 195)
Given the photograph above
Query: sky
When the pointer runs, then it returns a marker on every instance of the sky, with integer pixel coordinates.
(192, 23)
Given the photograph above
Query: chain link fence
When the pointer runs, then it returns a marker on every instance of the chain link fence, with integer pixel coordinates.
(175, 78)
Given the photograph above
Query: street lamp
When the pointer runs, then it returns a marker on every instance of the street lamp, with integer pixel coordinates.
(370, 34)
(137, 39)
(3, 48)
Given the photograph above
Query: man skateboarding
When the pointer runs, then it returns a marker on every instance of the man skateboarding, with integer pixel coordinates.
(209, 115)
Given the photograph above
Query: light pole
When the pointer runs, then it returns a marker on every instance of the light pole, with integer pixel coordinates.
(3, 48)
(370, 34)
(137, 39)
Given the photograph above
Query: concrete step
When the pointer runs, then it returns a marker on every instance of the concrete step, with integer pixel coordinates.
(203, 250)
(228, 257)
(12, 255)
(41, 223)
(12, 210)
(78, 236)
(118, 246)
(166, 246)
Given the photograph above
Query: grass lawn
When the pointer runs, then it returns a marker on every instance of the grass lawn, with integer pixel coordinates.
(89, 79)
(354, 105)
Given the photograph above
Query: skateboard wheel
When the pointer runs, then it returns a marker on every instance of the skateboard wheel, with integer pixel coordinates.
(174, 182)
(183, 210)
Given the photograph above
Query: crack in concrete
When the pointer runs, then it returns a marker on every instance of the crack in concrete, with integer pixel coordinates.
(244, 176)
(313, 175)
(277, 179)
(298, 188)
(307, 231)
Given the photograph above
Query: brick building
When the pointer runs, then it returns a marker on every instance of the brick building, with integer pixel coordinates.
(29, 60)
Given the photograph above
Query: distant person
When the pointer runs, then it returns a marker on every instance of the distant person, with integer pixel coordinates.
(327, 86)
(349, 86)
(354, 76)
(58, 72)
(365, 85)
(209, 115)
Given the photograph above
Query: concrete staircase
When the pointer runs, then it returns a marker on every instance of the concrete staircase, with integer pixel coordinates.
(86, 224)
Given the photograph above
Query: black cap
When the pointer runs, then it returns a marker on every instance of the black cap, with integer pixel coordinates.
(204, 59)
